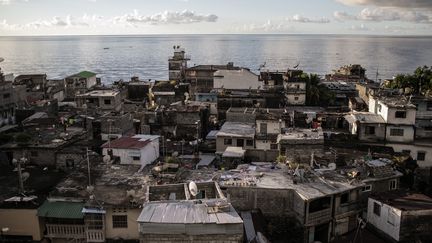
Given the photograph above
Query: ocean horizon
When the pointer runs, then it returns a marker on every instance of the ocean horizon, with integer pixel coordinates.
(116, 57)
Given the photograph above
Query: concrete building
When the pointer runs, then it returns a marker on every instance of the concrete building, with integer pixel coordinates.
(242, 79)
(172, 214)
(235, 134)
(295, 87)
(177, 64)
(137, 149)
(367, 126)
(104, 100)
(79, 83)
(401, 216)
(399, 115)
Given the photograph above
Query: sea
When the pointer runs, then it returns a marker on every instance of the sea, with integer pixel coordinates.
(120, 57)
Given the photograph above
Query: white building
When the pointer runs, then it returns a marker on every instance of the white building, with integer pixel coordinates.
(235, 134)
(137, 149)
(401, 216)
(236, 79)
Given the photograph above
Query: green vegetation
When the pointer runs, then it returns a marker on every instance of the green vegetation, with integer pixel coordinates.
(317, 94)
(5, 138)
(420, 82)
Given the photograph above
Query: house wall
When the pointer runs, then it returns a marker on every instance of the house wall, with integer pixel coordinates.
(384, 221)
(408, 134)
(220, 146)
(415, 224)
(147, 155)
(235, 79)
(129, 233)
(301, 98)
(273, 126)
(218, 238)
(91, 82)
(22, 222)
(380, 130)
(414, 149)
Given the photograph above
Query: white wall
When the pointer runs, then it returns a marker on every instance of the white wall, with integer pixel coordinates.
(235, 79)
(91, 82)
(301, 99)
(408, 134)
(293, 85)
(273, 127)
(414, 149)
(382, 222)
(147, 155)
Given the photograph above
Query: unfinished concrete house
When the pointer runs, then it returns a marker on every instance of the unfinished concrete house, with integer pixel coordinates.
(195, 213)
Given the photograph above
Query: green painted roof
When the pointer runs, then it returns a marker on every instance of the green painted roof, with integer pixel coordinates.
(84, 74)
(64, 210)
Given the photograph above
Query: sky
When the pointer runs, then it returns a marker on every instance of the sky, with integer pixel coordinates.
(123, 17)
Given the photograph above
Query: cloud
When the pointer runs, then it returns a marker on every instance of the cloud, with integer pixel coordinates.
(167, 17)
(386, 14)
(56, 22)
(301, 19)
(267, 27)
(391, 3)
(361, 27)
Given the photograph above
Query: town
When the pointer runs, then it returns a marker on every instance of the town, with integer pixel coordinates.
(217, 153)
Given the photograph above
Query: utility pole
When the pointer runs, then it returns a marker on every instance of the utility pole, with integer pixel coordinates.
(18, 163)
(88, 167)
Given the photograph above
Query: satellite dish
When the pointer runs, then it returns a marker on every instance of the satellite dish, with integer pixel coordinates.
(90, 189)
(106, 159)
(25, 176)
(193, 188)
(332, 166)
(130, 193)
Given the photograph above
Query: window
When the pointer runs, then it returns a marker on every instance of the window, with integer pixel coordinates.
(344, 198)
(5, 96)
(379, 107)
(370, 130)
(429, 106)
(240, 142)
(249, 142)
(396, 132)
(391, 217)
(227, 141)
(94, 221)
(119, 221)
(400, 114)
(366, 188)
(34, 154)
(263, 128)
(107, 102)
(392, 185)
(377, 209)
(297, 87)
(136, 158)
(201, 194)
(273, 146)
(70, 163)
(421, 155)
(296, 98)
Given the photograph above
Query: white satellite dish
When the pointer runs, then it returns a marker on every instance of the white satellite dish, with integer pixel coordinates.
(106, 159)
(193, 188)
(332, 166)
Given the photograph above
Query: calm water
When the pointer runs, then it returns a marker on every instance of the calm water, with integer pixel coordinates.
(147, 56)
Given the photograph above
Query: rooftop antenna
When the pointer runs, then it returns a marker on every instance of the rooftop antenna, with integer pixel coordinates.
(376, 75)
(296, 66)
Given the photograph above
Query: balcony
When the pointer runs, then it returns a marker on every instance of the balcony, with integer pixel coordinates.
(69, 231)
(95, 236)
(318, 217)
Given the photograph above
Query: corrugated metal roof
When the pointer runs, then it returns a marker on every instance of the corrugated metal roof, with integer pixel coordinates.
(60, 209)
(127, 143)
(185, 213)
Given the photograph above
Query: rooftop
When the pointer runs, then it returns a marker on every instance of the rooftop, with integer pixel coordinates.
(83, 74)
(132, 142)
(405, 201)
(99, 93)
(301, 136)
(236, 129)
(364, 117)
(396, 102)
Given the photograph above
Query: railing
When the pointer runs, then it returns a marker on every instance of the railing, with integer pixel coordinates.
(65, 231)
(95, 236)
(319, 216)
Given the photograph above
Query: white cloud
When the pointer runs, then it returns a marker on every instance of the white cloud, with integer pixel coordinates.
(386, 14)
(391, 3)
(301, 19)
(167, 17)
(56, 22)
(267, 27)
(360, 27)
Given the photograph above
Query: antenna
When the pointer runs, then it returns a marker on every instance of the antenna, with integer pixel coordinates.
(193, 188)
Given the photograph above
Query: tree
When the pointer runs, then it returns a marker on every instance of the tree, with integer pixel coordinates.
(317, 93)
(420, 82)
